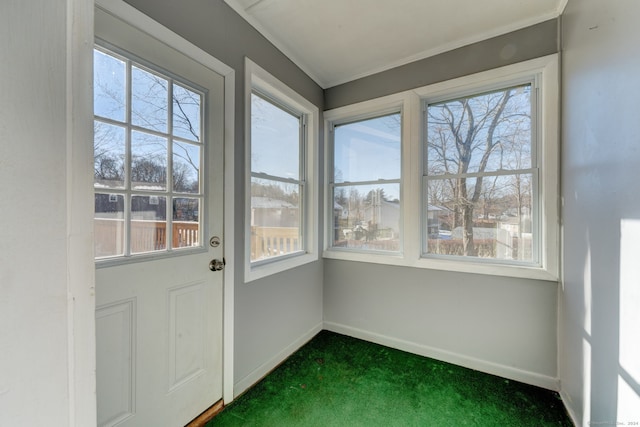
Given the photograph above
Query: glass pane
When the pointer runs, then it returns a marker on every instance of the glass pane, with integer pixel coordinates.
(108, 155)
(487, 132)
(186, 167)
(489, 217)
(368, 150)
(148, 223)
(109, 88)
(148, 162)
(186, 113)
(186, 230)
(275, 140)
(149, 100)
(275, 218)
(367, 217)
(108, 225)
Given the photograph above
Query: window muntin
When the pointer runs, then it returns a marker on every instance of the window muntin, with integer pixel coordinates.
(148, 154)
(277, 180)
(365, 189)
(479, 177)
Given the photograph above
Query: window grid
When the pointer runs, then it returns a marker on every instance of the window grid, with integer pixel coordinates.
(182, 204)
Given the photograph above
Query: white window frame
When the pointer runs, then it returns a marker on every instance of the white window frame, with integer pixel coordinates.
(354, 113)
(545, 72)
(259, 80)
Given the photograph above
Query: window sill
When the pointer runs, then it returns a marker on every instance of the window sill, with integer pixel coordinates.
(255, 272)
(467, 266)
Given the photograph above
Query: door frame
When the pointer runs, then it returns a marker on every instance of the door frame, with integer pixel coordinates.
(144, 23)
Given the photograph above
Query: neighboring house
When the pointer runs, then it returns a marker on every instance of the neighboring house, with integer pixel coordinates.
(433, 220)
(339, 211)
(268, 212)
(385, 216)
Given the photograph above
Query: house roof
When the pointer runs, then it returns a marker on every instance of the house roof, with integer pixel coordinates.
(269, 203)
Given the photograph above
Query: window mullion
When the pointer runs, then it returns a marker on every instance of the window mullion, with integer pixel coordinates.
(373, 182)
(261, 175)
(128, 160)
(502, 172)
(302, 188)
(170, 183)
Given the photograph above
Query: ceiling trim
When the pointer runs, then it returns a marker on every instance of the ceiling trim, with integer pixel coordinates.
(449, 47)
(255, 24)
(324, 84)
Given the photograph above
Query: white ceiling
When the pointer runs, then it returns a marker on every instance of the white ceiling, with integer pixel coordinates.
(335, 41)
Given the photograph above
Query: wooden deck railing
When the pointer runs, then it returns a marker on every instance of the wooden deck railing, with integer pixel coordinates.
(146, 236)
(272, 241)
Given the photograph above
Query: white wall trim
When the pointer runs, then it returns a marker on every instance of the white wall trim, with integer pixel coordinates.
(263, 370)
(509, 372)
(79, 245)
(229, 237)
(143, 22)
(566, 401)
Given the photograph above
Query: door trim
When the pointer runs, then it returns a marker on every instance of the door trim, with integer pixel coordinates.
(143, 22)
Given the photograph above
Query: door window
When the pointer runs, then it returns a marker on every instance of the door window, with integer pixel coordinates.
(148, 154)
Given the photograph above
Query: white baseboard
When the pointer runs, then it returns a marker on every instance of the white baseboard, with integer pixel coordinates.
(509, 372)
(261, 371)
(567, 402)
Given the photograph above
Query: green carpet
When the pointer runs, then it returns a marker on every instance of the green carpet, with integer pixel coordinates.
(336, 380)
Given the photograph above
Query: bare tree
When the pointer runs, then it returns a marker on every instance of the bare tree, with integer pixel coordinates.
(150, 107)
(466, 138)
(108, 153)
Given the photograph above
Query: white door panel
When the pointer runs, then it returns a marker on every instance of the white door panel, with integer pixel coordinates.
(159, 316)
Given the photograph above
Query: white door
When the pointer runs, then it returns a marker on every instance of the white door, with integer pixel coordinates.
(158, 157)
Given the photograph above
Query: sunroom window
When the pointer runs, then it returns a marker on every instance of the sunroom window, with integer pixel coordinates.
(281, 176)
(481, 176)
(277, 186)
(366, 184)
(474, 162)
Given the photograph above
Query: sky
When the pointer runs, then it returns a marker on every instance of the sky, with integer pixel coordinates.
(369, 150)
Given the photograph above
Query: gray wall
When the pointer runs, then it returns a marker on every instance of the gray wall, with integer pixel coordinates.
(600, 303)
(494, 324)
(531, 42)
(275, 313)
(506, 326)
